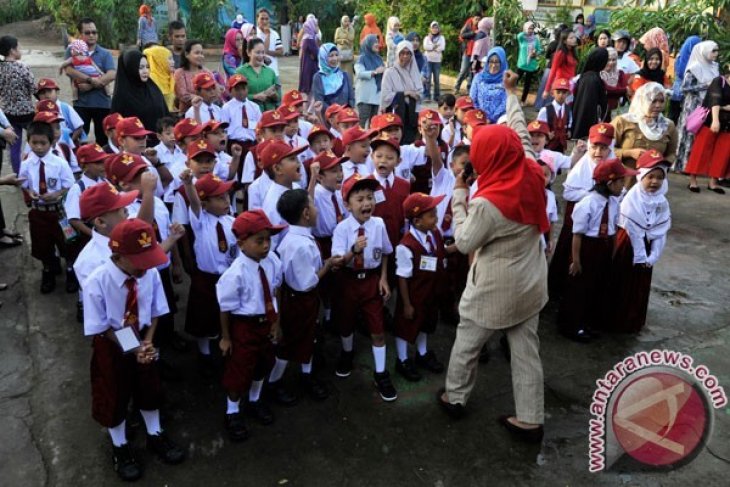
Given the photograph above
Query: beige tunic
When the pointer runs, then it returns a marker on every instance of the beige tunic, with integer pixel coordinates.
(629, 136)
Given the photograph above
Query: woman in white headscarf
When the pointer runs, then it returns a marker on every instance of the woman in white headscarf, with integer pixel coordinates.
(645, 127)
(392, 38)
(344, 40)
(401, 89)
(702, 68)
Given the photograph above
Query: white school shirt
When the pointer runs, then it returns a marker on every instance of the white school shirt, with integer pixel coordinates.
(326, 215)
(257, 191)
(58, 173)
(94, 254)
(269, 206)
(410, 157)
(71, 204)
(162, 218)
(302, 157)
(105, 296)
(304, 128)
(404, 256)
(114, 148)
(205, 112)
(560, 160)
(179, 205)
(363, 168)
(443, 184)
(579, 180)
(249, 168)
(208, 256)
(175, 161)
(159, 190)
(559, 109)
(239, 289)
(274, 44)
(378, 245)
(56, 150)
(222, 165)
(588, 212)
(626, 64)
(231, 113)
(446, 132)
(552, 206)
(335, 133)
(300, 258)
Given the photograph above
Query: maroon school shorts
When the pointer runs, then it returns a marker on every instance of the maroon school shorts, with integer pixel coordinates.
(299, 313)
(358, 291)
(252, 355)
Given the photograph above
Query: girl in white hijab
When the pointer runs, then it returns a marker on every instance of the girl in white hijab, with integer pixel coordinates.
(644, 220)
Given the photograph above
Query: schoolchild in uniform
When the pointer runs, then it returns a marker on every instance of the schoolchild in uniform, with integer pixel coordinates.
(577, 185)
(422, 175)
(295, 99)
(292, 138)
(547, 164)
(303, 269)
(241, 114)
(247, 296)
(73, 124)
(59, 148)
(539, 133)
(330, 116)
(644, 220)
(215, 249)
(558, 116)
(203, 104)
(271, 127)
(109, 125)
(47, 179)
(473, 119)
(420, 258)
(123, 300)
(345, 119)
(594, 227)
(463, 105)
(226, 166)
(451, 133)
(357, 151)
(390, 126)
(91, 157)
(132, 137)
(170, 154)
(360, 246)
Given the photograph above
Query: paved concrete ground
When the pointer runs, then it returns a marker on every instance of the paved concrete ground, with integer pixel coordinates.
(354, 439)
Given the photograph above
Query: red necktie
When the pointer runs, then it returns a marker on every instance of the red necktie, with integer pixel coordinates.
(359, 262)
(42, 186)
(244, 116)
(448, 217)
(429, 241)
(131, 312)
(338, 212)
(222, 241)
(268, 302)
(603, 229)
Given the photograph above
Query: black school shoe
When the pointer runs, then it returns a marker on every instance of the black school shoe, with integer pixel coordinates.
(56, 266)
(407, 370)
(280, 394)
(314, 387)
(79, 312)
(236, 427)
(260, 411)
(344, 364)
(455, 411)
(533, 435)
(72, 284)
(125, 465)
(429, 362)
(48, 282)
(385, 386)
(165, 449)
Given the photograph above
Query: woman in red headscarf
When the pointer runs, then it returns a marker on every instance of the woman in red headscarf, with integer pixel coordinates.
(146, 27)
(507, 284)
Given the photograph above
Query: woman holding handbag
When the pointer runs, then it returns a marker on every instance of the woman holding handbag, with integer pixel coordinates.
(711, 152)
(344, 40)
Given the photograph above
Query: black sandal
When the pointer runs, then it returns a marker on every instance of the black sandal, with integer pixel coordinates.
(716, 189)
(14, 236)
(13, 243)
(694, 189)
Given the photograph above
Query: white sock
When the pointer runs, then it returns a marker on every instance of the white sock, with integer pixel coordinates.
(347, 343)
(379, 356)
(119, 434)
(232, 406)
(402, 347)
(254, 392)
(327, 313)
(278, 370)
(307, 368)
(152, 421)
(422, 343)
(204, 346)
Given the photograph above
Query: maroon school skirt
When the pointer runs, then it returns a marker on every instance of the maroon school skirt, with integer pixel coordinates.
(252, 354)
(631, 286)
(298, 321)
(116, 378)
(203, 314)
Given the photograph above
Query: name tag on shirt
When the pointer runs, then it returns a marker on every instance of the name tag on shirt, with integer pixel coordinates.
(52, 182)
(405, 173)
(428, 263)
(127, 339)
(379, 196)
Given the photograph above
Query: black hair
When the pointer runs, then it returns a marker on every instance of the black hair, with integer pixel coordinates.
(459, 150)
(270, 172)
(580, 16)
(7, 43)
(608, 34)
(253, 43)
(292, 204)
(174, 25)
(562, 46)
(163, 123)
(602, 189)
(184, 61)
(262, 10)
(80, 23)
(448, 100)
(42, 129)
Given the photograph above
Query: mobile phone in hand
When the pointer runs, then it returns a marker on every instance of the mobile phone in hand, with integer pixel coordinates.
(468, 171)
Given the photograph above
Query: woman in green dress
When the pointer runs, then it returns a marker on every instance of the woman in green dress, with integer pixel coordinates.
(264, 88)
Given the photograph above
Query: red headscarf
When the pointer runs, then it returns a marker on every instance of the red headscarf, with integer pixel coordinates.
(144, 11)
(507, 178)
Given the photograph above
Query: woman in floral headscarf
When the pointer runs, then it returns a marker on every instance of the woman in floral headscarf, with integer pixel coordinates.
(487, 89)
(233, 48)
(656, 38)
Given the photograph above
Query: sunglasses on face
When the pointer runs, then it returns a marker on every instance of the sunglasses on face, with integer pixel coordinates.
(90, 32)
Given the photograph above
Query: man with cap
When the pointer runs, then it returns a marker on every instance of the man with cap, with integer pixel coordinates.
(123, 300)
(203, 107)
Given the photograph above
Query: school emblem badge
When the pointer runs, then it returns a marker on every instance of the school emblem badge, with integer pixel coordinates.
(138, 123)
(275, 116)
(111, 188)
(295, 95)
(127, 159)
(602, 129)
(201, 144)
(377, 253)
(479, 115)
(52, 182)
(389, 118)
(144, 240)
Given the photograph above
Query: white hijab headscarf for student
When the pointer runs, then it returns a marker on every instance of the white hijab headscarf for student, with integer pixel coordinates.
(581, 175)
(700, 65)
(646, 214)
(639, 108)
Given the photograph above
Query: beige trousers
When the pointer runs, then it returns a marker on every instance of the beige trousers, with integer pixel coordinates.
(527, 378)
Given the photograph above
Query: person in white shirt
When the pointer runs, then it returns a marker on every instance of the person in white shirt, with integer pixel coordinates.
(72, 126)
(595, 218)
(242, 116)
(451, 133)
(249, 314)
(203, 104)
(123, 300)
(357, 152)
(622, 44)
(272, 42)
(132, 137)
(539, 133)
(295, 99)
(171, 155)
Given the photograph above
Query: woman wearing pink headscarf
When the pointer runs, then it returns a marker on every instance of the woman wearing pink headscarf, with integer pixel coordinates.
(483, 43)
(656, 38)
(233, 49)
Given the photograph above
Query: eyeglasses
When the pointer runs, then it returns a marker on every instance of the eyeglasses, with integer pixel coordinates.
(494, 61)
(90, 32)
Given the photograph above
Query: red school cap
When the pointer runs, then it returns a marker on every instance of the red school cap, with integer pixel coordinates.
(252, 222)
(201, 147)
(464, 103)
(289, 112)
(211, 185)
(276, 151)
(236, 80)
(135, 240)
(347, 115)
(332, 110)
(131, 127)
(601, 133)
(203, 80)
(47, 106)
(389, 142)
(88, 153)
(47, 117)
(110, 121)
(271, 118)
(46, 84)
(356, 134)
(430, 115)
(328, 160)
(292, 98)
(355, 182)
(319, 129)
(561, 84)
(610, 170)
(102, 198)
(538, 127)
(213, 125)
(651, 159)
(187, 127)
(418, 203)
(385, 120)
(123, 167)
(475, 118)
